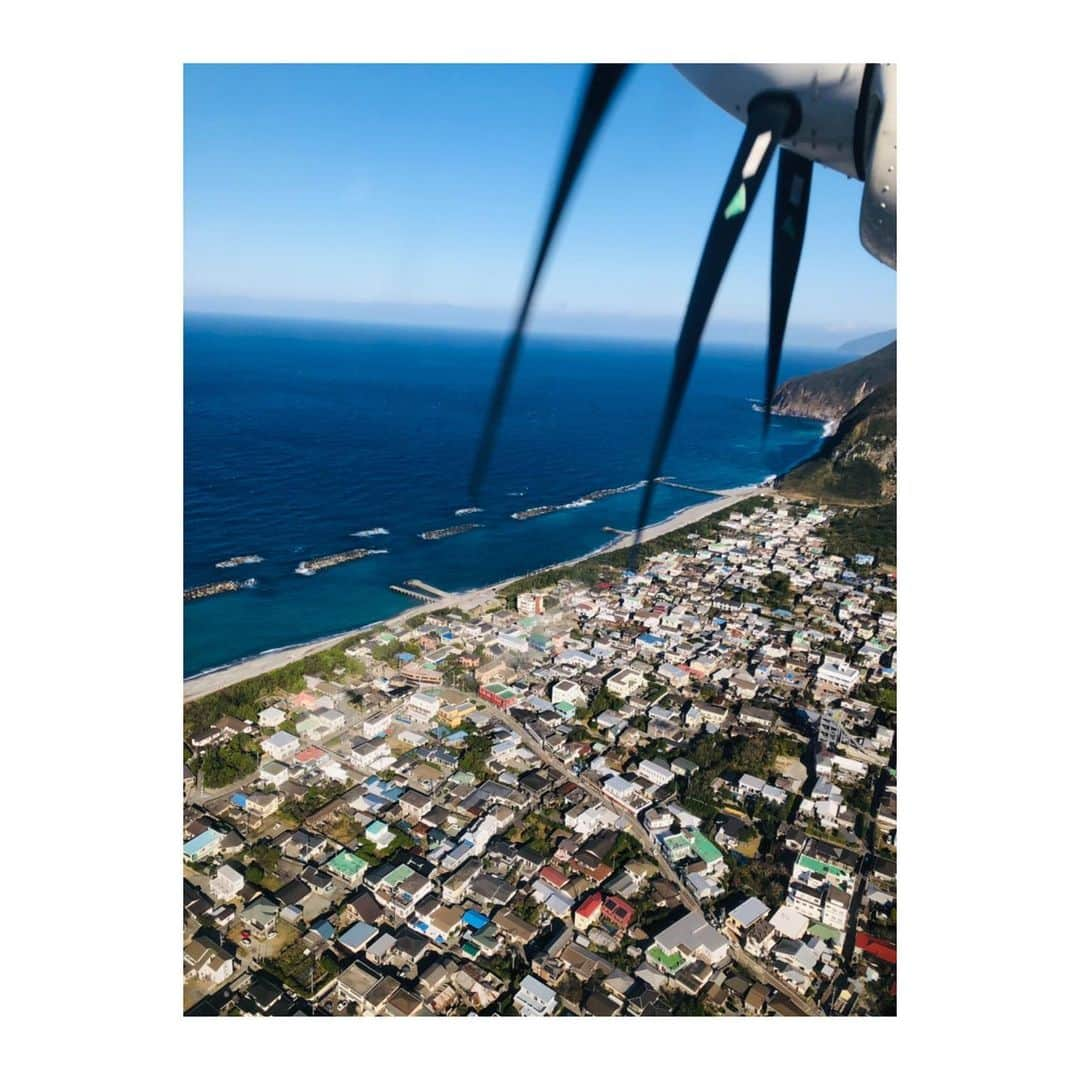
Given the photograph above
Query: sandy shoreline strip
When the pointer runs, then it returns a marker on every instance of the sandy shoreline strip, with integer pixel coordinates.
(200, 685)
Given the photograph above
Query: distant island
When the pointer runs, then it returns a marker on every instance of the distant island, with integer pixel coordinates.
(869, 343)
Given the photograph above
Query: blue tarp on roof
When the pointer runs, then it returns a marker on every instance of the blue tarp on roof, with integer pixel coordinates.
(239, 799)
(475, 919)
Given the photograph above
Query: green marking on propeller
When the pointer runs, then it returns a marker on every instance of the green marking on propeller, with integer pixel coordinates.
(737, 204)
(788, 227)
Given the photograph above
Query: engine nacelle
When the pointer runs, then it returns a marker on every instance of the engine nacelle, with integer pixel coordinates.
(847, 122)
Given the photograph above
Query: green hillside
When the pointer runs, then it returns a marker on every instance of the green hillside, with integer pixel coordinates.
(856, 465)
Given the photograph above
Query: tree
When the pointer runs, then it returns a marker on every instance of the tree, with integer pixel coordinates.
(475, 756)
(603, 700)
(224, 765)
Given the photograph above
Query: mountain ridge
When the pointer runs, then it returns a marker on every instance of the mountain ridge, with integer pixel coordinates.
(828, 395)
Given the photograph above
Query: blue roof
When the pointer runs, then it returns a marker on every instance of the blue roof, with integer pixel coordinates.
(197, 843)
(325, 929)
(475, 919)
(406, 656)
(239, 799)
(384, 789)
(358, 935)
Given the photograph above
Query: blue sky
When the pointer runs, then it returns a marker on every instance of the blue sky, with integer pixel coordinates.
(414, 194)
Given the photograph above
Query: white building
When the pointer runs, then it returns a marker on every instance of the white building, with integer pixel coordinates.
(529, 603)
(692, 937)
(369, 754)
(271, 717)
(423, 706)
(565, 690)
(625, 683)
(281, 746)
(535, 998)
(226, 883)
(838, 675)
(274, 772)
(674, 676)
(656, 772)
(375, 726)
(750, 785)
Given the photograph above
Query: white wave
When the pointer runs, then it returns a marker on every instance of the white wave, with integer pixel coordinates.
(576, 503)
(515, 493)
(371, 532)
(829, 428)
(468, 510)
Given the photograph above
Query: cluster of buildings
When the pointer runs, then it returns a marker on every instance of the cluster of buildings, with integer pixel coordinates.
(541, 807)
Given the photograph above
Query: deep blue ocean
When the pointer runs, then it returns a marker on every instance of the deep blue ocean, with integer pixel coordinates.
(298, 435)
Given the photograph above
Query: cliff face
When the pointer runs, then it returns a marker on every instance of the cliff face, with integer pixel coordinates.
(828, 395)
(858, 463)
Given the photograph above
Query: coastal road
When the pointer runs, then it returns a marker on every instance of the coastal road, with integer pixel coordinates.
(198, 686)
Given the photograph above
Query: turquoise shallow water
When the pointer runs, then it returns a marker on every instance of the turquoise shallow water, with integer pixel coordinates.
(297, 435)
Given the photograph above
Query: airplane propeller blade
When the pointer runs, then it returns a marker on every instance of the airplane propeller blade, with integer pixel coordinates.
(769, 118)
(789, 229)
(603, 83)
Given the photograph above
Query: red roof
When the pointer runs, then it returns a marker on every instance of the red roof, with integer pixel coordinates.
(553, 876)
(883, 950)
(589, 906)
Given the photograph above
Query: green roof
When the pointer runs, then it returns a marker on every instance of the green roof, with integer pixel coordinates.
(705, 848)
(669, 961)
(397, 875)
(347, 864)
(822, 867)
(676, 840)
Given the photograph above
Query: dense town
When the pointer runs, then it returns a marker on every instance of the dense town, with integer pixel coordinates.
(662, 791)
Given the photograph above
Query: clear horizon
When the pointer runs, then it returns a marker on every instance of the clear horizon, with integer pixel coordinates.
(413, 195)
(393, 320)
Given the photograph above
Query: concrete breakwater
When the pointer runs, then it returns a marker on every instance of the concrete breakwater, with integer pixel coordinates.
(199, 592)
(323, 562)
(453, 530)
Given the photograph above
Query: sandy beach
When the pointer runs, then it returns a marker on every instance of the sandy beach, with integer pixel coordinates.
(199, 685)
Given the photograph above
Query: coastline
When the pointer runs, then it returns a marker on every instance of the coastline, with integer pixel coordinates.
(208, 682)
